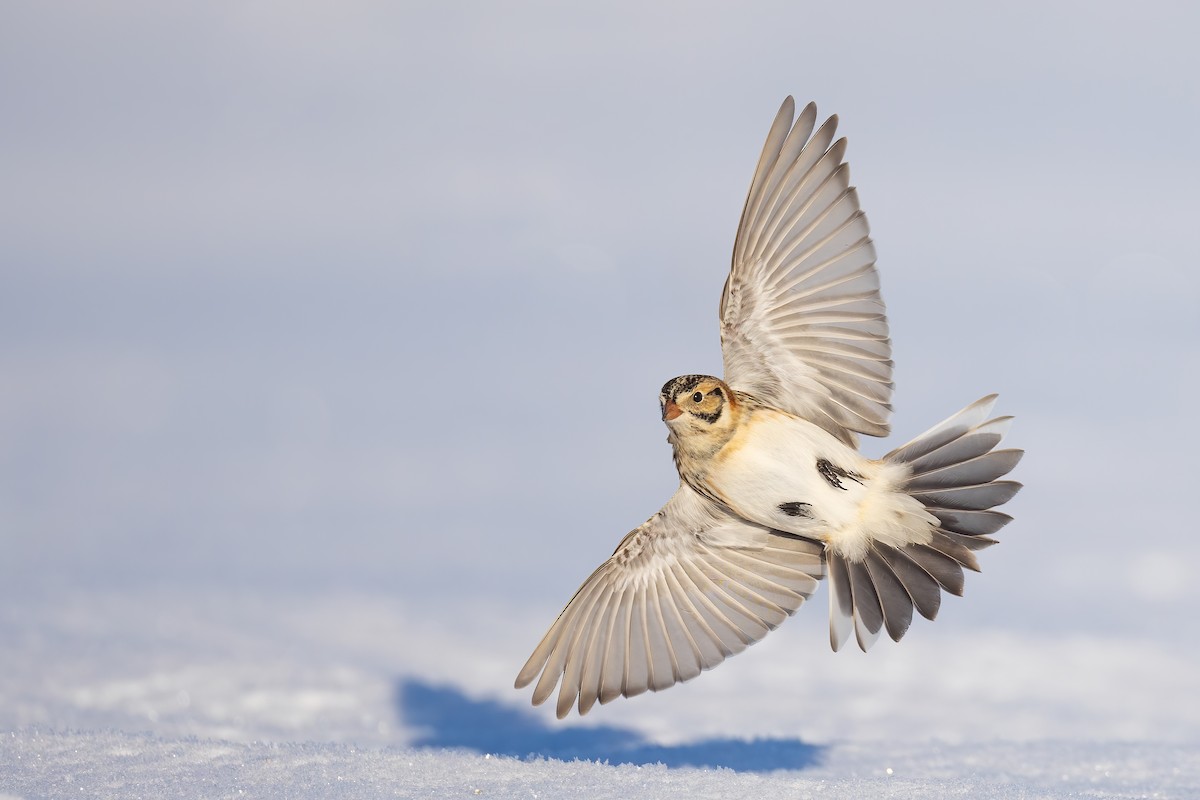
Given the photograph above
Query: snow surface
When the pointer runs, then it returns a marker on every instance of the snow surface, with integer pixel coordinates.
(159, 693)
(128, 765)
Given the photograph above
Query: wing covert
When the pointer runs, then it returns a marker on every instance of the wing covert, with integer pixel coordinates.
(803, 326)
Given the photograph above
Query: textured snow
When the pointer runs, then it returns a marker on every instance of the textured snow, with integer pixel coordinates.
(158, 693)
(128, 765)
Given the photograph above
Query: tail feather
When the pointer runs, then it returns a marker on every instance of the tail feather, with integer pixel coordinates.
(894, 598)
(955, 472)
(976, 497)
(980, 469)
(947, 546)
(841, 602)
(972, 523)
(945, 432)
(868, 611)
(921, 587)
(945, 570)
(975, 443)
(969, 541)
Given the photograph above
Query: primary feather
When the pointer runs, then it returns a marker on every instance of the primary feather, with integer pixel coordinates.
(688, 588)
(803, 327)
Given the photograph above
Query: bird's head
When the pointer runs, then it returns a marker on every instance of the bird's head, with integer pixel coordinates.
(697, 405)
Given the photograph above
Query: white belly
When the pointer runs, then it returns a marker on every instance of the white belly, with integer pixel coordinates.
(768, 473)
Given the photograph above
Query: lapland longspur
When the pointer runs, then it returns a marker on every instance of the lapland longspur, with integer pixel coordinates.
(773, 493)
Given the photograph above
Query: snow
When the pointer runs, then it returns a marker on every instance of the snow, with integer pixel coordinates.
(129, 765)
(155, 692)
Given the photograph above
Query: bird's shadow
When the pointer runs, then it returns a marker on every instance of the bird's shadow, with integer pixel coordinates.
(447, 718)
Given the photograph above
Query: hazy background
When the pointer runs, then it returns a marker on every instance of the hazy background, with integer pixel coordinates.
(306, 297)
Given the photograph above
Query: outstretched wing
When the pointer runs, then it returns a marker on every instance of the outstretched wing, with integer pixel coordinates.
(802, 323)
(685, 590)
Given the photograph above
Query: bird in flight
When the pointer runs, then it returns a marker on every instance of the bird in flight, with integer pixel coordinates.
(773, 494)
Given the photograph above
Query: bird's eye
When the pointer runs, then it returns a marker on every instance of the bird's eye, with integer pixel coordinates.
(698, 397)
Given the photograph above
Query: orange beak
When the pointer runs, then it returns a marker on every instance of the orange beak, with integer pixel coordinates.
(671, 410)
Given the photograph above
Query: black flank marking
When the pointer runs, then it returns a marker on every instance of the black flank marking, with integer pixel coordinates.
(796, 509)
(834, 474)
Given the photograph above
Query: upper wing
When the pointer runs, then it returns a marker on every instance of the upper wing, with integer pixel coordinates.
(689, 587)
(802, 323)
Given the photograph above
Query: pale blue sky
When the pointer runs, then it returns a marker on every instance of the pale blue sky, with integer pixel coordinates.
(372, 294)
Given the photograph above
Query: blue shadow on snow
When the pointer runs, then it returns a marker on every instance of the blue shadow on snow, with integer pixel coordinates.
(450, 719)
